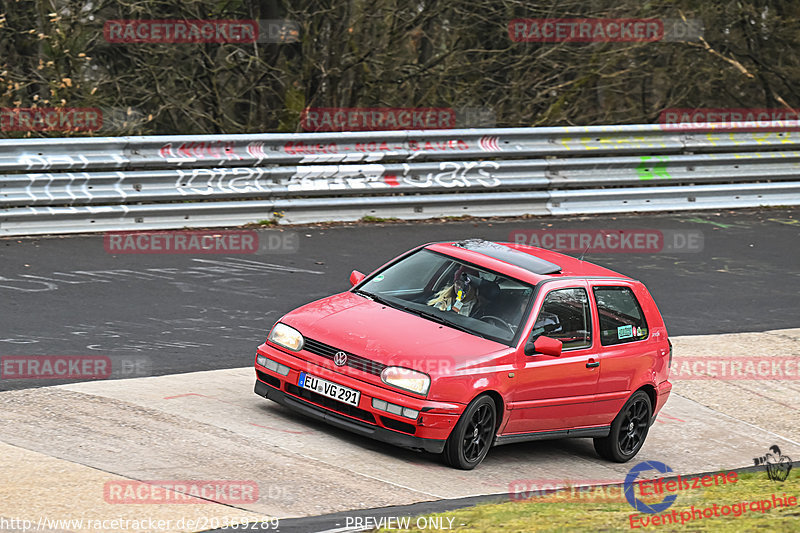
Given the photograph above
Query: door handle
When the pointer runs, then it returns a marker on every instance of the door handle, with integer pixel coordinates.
(592, 364)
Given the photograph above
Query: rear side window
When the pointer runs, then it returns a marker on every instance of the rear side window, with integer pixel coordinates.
(621, 317)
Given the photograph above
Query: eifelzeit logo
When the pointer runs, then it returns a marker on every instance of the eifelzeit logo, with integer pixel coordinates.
(778, 465)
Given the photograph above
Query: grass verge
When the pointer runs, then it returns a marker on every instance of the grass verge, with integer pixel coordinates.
(606, 509)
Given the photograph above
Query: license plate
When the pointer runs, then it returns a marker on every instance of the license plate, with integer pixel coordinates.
(329, 389)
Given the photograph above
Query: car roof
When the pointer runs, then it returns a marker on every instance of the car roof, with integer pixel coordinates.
(526, 263)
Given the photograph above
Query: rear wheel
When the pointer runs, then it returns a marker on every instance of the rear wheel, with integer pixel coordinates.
(473, 435)
(628, 430)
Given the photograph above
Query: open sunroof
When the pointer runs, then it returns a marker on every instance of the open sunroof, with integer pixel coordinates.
(510, 255)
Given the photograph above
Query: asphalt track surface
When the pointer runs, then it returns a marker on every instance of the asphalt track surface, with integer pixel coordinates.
(174, 316)
(156, 314)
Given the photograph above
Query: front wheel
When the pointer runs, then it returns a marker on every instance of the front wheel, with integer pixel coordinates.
(628, 430)
(473, 435)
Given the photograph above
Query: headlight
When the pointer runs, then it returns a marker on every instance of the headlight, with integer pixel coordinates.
(406, 379)
(287, 337)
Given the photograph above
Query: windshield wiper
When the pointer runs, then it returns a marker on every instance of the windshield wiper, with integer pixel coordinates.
(376, 298)
(365, 294)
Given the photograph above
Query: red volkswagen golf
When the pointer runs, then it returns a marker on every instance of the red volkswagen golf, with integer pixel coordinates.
(456, 347)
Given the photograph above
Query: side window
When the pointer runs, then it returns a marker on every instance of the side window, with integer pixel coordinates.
(621, 317)
(565, 316)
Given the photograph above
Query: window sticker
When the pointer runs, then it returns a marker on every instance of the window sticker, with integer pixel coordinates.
(621, 316)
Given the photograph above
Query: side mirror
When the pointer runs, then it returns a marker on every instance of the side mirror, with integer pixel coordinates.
(356, 277)
(543, 345)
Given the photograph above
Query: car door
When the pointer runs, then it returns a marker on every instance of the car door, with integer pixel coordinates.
(627, 351)
(554, 393)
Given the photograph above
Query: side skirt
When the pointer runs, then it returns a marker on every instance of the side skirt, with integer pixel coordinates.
(594, 432)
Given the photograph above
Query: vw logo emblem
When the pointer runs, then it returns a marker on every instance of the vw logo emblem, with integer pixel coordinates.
(340, 359)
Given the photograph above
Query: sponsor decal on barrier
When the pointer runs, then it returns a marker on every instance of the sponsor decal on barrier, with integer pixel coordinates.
(370, 150)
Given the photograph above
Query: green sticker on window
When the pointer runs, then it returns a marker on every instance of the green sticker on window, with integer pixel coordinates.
(625, 332)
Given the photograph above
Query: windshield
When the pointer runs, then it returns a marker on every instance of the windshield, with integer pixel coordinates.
(461, 295)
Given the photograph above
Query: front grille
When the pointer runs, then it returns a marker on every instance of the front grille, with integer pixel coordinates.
(266, 378)
(353, 361)
(405, 427)
(330, 403)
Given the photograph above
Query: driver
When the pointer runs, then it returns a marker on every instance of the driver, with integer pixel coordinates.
(468, 295)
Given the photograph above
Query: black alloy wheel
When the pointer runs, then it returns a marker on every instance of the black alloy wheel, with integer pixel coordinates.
(628, 431)
(473, 435)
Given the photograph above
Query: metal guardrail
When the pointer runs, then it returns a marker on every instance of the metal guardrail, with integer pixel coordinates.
(128, 183)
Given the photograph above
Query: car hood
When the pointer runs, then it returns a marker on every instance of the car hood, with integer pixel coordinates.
(360, 326)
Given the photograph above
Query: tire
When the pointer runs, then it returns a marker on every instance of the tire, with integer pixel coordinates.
(470, 440)
(628, 430)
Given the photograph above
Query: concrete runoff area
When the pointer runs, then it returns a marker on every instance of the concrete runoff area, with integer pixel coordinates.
(53, 493)
(64, 443)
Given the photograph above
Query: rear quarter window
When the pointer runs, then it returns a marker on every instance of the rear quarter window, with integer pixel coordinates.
(621, 316)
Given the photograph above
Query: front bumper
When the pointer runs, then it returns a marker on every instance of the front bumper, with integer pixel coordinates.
(429, 431)
(335, 419)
